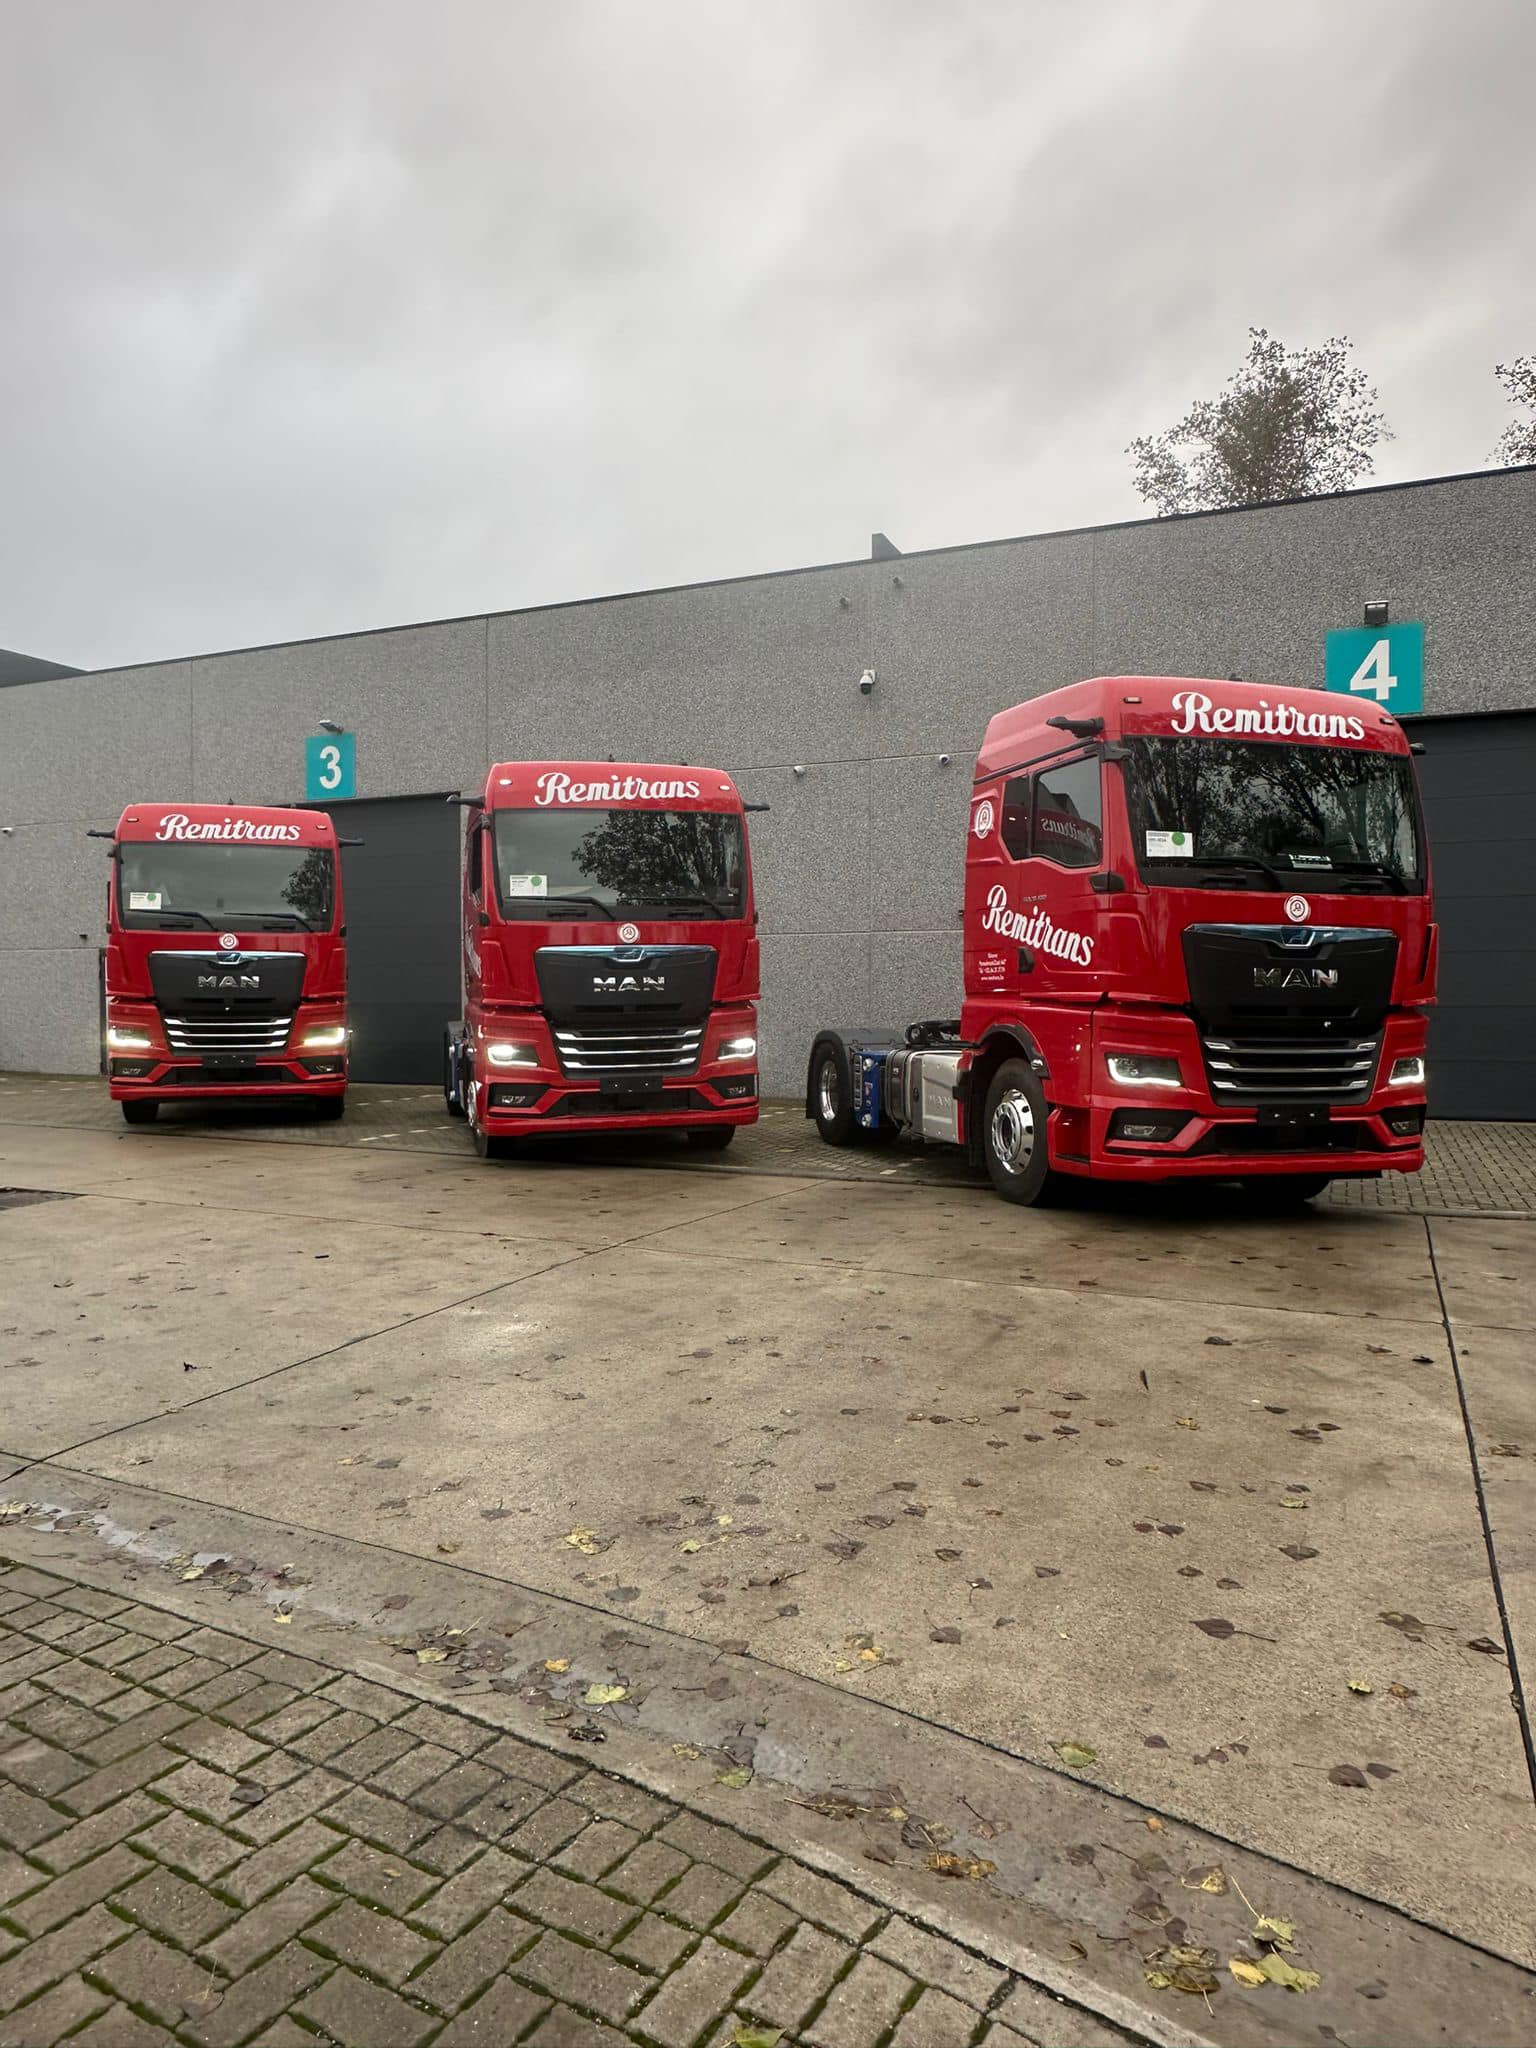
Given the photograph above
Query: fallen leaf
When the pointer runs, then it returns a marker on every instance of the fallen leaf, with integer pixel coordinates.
(1279, 1971)
(1274, 1933)
(736, 1777)
(586, 1731)
(1212, 1880)
(756, 2037)
(605, 1695)
(944, 1635)
(584, 1540)
(194, 1571)
(686, 1749)
(430, 1656)
(1218, 1628)
(689, 1547)
(1076, 1755)
(1402, 1692)
(248, 1793)
(1300, 1551)
(1361, 1685)
(1247, 1972)
(557, 1663)
(1154, 1824)
(1349, 1774)
(1186, 1422)
(948, 1864)
(843, 1664)
(198, 2005)
(1483, 1643)
(1381, 1770)
(1292, 1500)
(280, 1614)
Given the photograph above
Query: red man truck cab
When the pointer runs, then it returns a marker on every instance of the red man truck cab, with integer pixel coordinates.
(226, 971)
(610, 955)
(1198, 944)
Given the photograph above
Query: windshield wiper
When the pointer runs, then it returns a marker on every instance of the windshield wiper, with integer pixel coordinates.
(698, 896)
(183, 920)
(280, 920)
(566, 896)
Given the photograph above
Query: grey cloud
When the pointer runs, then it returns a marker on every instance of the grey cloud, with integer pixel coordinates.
(319, 317)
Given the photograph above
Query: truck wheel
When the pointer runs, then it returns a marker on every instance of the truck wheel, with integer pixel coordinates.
(139, 1112)
(832, 1094)
(487, 1146)
(710, 1137)
(1013, 1134)
(453, 1080)
(329, 1109)
(1285, 1190)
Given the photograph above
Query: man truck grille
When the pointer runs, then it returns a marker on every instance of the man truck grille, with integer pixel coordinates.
(630, 1049)
(1260, 1069)
(227, 1034)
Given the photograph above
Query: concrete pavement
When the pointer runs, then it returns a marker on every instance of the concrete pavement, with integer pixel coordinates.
(1193, 1493)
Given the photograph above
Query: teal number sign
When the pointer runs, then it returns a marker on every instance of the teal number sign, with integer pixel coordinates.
(330, 765)
(1382, 663)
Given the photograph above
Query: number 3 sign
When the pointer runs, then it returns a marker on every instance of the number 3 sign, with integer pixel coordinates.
(330, 765)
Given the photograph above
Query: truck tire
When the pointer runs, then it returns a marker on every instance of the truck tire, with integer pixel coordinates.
(710, 1137)
(139, 1112)
(487, 1146)
(1013, 1135)
(1285, 1190)
(832, 1094)
(329, 1109)
(453, 1090)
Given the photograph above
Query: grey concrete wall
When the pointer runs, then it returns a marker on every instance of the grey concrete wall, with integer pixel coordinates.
(859, 861)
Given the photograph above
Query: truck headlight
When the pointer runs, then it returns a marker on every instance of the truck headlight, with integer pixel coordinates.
(738, 1048)
(123, 1038)
(1408, 1073)
(1140, 1070)
(324, 1038)
(501, 1054)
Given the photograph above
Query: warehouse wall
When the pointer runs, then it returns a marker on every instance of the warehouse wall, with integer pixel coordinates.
(859, 861)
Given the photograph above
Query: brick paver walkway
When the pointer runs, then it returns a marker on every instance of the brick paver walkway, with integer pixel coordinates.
(1471, 1169)
(207, 1841)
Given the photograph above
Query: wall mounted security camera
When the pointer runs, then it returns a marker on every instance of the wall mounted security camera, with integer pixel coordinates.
(867, 681)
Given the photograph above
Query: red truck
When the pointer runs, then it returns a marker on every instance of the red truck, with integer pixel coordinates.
(610, 955)
(1199, 944)
(226, 963)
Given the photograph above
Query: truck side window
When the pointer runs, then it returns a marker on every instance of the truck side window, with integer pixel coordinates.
(1069, 815)
(477, 862)
(1015, 824)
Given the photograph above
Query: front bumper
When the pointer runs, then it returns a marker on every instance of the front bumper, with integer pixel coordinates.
(165, 1080)
(1199, 1138)
(159, 1073)
(524, 1100)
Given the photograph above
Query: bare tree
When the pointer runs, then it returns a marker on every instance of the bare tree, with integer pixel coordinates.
(1517, 443)
(1292, 423)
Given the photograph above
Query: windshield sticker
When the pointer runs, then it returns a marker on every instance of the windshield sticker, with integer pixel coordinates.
(1170, 845)
(527, 885)
(1310, 860)
(144, 899)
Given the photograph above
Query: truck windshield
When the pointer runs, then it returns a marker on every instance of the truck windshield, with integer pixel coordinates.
(174, 887)
(607, 864)
(1270, 813)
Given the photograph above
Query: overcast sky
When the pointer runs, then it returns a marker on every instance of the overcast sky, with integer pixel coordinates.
(321, 314)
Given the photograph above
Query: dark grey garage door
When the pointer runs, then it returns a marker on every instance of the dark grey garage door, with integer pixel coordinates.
(1478, 776)
(402, 896)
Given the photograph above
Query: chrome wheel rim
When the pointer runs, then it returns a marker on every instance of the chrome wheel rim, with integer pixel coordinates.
(1012, 1131)
(827, 1092)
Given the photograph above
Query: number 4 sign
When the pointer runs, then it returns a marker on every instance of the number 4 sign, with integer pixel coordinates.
(1384, 663)
(330, 765)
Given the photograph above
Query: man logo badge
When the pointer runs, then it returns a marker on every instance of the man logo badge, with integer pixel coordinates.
(1297, 909)
(1295, 977)
(629, 933)
(628, 984)
(237, 981)
(229, 942)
